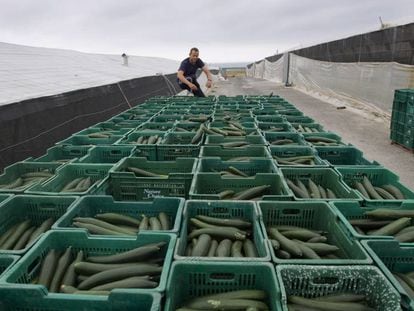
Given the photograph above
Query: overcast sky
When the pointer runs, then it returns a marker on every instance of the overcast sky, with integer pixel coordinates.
(223, 30)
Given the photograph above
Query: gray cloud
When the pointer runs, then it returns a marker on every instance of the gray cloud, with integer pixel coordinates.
(232, 30)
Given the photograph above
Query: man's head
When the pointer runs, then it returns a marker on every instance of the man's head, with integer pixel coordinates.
(193, 55)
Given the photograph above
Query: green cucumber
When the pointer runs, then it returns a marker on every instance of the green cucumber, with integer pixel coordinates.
(62, 265)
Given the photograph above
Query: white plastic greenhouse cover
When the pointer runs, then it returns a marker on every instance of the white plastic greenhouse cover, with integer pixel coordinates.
(372, 83)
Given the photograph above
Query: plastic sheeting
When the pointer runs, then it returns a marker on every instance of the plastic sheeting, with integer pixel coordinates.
(369, 82)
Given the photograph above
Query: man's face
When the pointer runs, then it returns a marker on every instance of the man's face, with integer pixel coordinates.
(193, 57)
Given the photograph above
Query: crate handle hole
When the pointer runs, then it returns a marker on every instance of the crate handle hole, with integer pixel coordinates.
(222, 276)
(291, 211)
(325, 280)
(116, 152)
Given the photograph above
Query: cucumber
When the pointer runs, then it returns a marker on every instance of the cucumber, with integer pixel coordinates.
(72, 184)
(370, 189)
(342, 297)
(322, 191)
(251, 193)
(89, 268)
(358, 186)
(143, 173)
(228, 222)
(70, 276)
(235, 171)
(164, 220)
(84, 185)
(15, 236)
(224, 248)
(405, 237)
(134, 255)
(302, 234)
(200, 224)
(48, 267)
(155, 223)
(188, 250)
(314, 190)
(225, 194)
(302, 187)
(117, 274)
(285, 243)
(197, 137)
(67, 289)
(330, 194)
(386, 213)
(15, 184)
(103, 224)
(280, 253)
(275, 244)
(236, 249)
(132, 282)
(7, 234)
(405, 286)
(202, 246)
(393, 227)
(62, 265)
(369, 223)
(322, 248)
(307, 252)
(394, 191)
(144, 225)
(21, 243)
(213, 248)
(223, 232)
(249, 248)
(46, 225)
(118, 219)
(94, 229)
(318, 239)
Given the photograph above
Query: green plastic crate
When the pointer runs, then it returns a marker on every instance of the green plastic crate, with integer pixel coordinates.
(272, 119)
(6, 262)
(17, 169)
(378, 176)
(265, 112)
(89, 206)
(178, 145)
(222, 209)
(81, 140)
(229, 153)
(324, 176)
(133, 136)
(314, 281)
(314, 216)
(295, 137)
(205, 186)
(21, 300)
(97, 173)
(295, 151)
(27, 268)
(344, 156)
(352, 210)
(218, 139)
(4, 197)
(107, 154)
(63, 154)
(126, 186)
(251, 168)
(35, 208)
(391, 256)
(197, 279)
(155, 126)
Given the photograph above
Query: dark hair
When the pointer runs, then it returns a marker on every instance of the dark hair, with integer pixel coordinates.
(194, 49)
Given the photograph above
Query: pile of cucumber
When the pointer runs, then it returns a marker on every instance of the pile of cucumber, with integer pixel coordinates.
(79, 184)
(337, 302)
(312, 191)
(147, 140)
(118, 224)
(254, 193)
(305, 129)
(383, 192)
(297, 242)
(249, 300)
(385, 221)
(72, 273)
(102, 134)
(322, 141)
(297, 160)
(23, 234)
(218, 237)
(26, 179)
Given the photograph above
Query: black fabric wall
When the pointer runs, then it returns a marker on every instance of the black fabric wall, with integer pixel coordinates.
(395, 44)
(29, 127)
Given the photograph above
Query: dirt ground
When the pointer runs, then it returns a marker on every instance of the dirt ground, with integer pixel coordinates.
(359, 125)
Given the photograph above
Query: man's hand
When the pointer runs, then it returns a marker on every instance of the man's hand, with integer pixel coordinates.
(193, 87)
(208, 84)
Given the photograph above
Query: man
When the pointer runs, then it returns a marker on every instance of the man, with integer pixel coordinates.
(186, 74)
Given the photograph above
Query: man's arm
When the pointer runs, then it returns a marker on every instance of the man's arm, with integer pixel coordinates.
(209, 76)
(180, 76)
